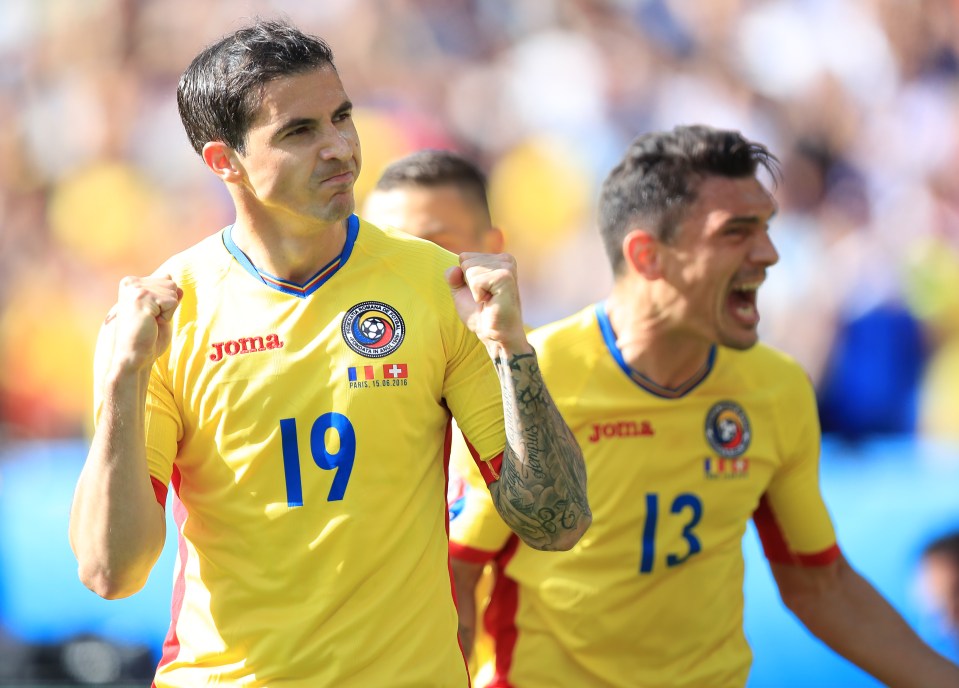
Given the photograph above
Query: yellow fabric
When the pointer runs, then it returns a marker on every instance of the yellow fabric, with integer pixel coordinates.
(494, 531)
(652, 594)
(349, 590)
(489, 534)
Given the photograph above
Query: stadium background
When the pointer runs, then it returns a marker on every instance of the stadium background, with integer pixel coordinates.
(859, 98)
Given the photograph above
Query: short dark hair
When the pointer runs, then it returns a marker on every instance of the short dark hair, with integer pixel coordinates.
(432, 168)
(658, 178)
(945, 546)
(219, 93)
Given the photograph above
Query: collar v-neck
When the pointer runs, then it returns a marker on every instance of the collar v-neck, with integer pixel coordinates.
(609, 337)
(306, 288)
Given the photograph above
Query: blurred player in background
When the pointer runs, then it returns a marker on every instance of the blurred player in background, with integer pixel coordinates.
(939, 578)
(441, 196)
(294, 377)
(436, 195)
(689, 428)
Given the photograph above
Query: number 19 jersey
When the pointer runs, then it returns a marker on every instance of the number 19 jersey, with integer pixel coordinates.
(305, 429)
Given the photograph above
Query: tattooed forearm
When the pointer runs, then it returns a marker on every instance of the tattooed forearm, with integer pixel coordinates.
(541, 493)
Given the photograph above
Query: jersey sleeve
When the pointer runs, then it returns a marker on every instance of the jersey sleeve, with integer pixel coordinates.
(163, 432)
(792, 519)
(473, 395)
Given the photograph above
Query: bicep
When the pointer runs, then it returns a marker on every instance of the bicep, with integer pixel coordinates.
(474, 396)
(792, 512)
(163, 430)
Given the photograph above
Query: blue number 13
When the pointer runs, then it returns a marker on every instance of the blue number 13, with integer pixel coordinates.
(341, 461)
(680, 504)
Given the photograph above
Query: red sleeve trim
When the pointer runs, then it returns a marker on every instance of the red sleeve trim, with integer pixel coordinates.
(774, 543)
(490, 470)
(473, 556)
(824, 558)
(160, 490)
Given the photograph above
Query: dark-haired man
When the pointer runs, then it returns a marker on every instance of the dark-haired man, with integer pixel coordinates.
(294, 376)
(690, 428)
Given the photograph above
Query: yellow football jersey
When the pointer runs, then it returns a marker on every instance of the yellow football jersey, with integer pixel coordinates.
(306, 429)
(653, 593)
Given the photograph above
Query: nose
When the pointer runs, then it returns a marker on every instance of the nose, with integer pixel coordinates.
(763, 251)
(337, 145)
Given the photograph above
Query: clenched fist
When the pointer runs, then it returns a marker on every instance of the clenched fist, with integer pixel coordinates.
(139, 322)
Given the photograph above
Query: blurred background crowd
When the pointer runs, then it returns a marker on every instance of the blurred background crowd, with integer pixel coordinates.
(858, 98)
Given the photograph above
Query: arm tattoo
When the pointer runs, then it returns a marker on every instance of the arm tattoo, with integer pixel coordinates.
(541, 492)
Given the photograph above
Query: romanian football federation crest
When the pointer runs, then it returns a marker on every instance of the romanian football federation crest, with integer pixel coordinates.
(373, 329)
(727, 429)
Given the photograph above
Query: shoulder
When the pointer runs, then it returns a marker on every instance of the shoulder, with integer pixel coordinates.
(581, 326)
(769, 357)
(767, 367)
(391, 246)
(198, 271)
(206, 259)
(412, 273)
(575, 339)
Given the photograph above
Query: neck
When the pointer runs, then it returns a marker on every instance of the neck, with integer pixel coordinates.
(651, 346)
(290, 251)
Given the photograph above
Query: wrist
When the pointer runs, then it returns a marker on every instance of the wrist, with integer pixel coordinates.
(126, 376)
(511, 357)
(506, 351)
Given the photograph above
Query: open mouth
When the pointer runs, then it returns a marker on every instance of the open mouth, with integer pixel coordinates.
(741, 302)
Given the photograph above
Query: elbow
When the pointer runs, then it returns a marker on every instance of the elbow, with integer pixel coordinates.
(108, 564)
(796, 602)
(574, 535)
(807, 591)
(108, 584)
(807, 603)
(564, 539)
(809, 609)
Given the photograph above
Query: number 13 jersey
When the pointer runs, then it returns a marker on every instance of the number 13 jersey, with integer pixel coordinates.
(653, 593)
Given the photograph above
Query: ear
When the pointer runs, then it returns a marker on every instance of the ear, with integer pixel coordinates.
(493, 240)
(642, 255)
(223, 160)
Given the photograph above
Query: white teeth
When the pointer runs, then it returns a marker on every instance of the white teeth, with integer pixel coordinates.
(751, 286)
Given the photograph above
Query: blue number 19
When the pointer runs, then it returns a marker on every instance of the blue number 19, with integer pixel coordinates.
(341, 461)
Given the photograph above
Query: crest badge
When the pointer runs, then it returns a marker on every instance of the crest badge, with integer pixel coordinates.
(373, 329)
(727, 429)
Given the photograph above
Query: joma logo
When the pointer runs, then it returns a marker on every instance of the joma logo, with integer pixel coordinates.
(244, 345)
(626, 428)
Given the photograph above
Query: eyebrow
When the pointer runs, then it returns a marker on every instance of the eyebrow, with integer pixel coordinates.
(295, 122)
(751, 219)
(743, 220)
